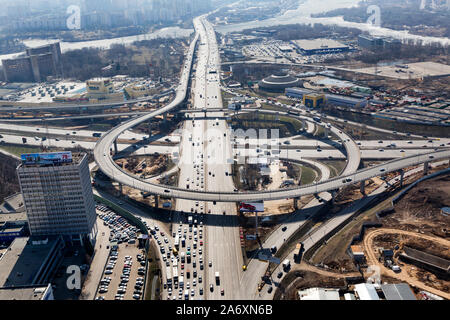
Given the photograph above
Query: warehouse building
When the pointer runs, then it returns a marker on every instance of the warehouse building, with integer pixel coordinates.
(331, 99)
(398, 291)
(319, 46)
(366, 291)
(373, 42)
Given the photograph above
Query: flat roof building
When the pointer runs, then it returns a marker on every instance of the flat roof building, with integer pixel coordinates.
(366, 291)
(319, 294)
(35, 65)
(30, 261)
(27, 293)
(99, 88)
(57, 193)
(320, 46)
(398, 291)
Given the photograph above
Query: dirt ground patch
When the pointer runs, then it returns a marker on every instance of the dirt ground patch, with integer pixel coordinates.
(145, 166)
(301, 279)
(420, 209)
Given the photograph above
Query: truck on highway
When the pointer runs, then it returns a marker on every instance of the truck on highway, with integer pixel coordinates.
(217, 276)
(182, 257)
(298, 252)
(234, 106)
(175, 274)
(190, 220)
(169, 276)
(177, 241)
(186, 294)
(181, 281)
(183, 242)
(286, 264)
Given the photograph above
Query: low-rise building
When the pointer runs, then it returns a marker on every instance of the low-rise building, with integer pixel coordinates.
(27, 293)
(318, 294)
(30, 261)
(398, 291)
(366, 291)
(319, 46)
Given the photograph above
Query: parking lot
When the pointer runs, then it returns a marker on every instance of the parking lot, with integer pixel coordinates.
(123, 276)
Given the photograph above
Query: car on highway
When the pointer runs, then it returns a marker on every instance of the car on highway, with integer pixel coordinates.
(279, 275)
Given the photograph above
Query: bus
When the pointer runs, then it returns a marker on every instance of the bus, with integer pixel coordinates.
(177, 241)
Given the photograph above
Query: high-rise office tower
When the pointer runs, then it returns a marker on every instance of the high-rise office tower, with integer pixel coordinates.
(57, 193)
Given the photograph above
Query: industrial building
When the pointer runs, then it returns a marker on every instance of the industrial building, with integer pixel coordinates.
(36, 65)
(373, 42)
(57, 193)
(309, 96)
(366, 291)
(279, 83)
(398, 291)
(319, 46)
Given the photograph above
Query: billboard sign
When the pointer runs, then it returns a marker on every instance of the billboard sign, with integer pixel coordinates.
(47, 158)
(251, 207)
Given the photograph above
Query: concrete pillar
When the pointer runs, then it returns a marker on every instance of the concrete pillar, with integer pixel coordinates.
(149, 127)
(425, 168)
(362, 187)
(402, 174)
(165, 117)
(296, 203)
(325, 132)
(115, 147)
(333, 196)
(305, 125)
(156, 198)
(120, 188)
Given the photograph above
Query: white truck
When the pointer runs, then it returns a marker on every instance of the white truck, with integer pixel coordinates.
(181, 281)
(286, 264)
(190, 220)
(217, 278)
